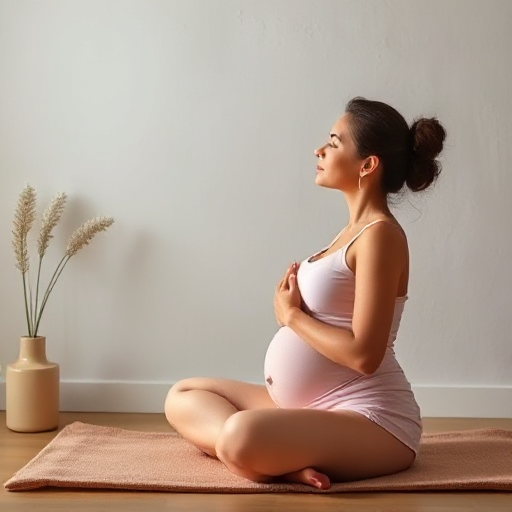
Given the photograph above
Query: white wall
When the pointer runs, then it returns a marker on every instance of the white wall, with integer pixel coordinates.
(193, 123)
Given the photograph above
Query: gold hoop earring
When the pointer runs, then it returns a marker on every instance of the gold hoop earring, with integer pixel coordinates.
(361, 176)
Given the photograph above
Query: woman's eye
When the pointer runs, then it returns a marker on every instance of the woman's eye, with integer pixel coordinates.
(332, 145)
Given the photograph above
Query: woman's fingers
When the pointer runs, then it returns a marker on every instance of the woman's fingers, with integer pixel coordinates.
(291, 270)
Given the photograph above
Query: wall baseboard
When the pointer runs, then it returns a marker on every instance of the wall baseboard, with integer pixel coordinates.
(149, 397)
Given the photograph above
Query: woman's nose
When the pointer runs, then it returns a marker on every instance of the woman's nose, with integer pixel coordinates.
(320, 151)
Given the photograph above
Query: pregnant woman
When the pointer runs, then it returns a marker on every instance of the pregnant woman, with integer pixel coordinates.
(336, 405)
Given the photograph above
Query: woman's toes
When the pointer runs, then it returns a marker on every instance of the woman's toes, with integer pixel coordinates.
(309, 476)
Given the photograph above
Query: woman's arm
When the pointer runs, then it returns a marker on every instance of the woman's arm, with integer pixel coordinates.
(335, 343)
(380, 260)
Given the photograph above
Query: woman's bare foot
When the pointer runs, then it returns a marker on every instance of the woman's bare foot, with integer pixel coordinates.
(308, 476)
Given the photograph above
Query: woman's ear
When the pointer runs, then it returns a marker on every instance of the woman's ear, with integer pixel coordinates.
(371, 164)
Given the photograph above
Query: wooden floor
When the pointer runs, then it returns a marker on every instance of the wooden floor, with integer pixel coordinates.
(17, 449)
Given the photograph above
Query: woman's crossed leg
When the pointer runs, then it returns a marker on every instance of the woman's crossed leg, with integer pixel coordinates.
(199, 407)
(239, 423)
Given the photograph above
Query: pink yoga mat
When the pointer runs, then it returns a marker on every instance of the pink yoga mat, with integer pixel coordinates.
(91, 456)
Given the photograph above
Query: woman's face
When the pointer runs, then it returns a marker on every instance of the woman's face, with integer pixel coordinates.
(338, 162)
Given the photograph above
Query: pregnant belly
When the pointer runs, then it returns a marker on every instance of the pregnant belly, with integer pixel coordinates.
(296, 374)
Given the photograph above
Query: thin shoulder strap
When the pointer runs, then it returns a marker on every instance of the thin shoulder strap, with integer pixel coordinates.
(367, 226)
(336, 239)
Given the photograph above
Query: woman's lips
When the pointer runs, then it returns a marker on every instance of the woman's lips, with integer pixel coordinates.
(318, 168)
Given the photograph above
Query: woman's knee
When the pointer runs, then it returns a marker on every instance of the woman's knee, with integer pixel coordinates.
(187, 384)
(174, 397)
(238, 440)
(180, 387)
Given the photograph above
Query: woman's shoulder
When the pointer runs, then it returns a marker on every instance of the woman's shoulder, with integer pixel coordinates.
(386, 233)
(385, 221)
(385, 239)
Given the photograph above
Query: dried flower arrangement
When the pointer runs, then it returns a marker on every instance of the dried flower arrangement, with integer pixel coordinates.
(24, 218)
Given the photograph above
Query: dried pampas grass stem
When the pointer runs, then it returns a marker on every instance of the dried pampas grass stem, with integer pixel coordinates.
(51, 217)
(84, 234)
(24, 217)
(81, 237)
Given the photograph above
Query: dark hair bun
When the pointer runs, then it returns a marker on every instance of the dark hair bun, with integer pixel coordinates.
(427, 137)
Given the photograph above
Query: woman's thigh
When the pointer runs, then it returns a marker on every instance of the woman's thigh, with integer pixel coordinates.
(345, 445)
(242, 395)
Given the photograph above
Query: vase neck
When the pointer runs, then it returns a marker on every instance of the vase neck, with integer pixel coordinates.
(33, 349)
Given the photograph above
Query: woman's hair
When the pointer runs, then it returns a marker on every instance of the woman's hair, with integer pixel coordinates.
(408, 155)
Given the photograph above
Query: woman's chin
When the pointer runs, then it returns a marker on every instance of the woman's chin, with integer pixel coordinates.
(320, 180)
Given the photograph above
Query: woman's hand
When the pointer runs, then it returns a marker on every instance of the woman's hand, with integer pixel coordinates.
(287, 295)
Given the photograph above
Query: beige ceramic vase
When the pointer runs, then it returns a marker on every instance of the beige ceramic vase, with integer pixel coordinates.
(32, 389)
